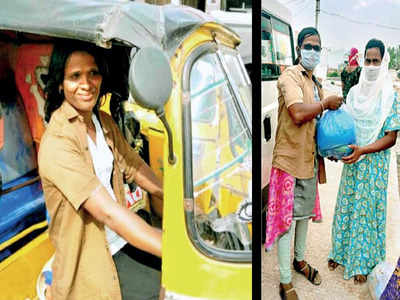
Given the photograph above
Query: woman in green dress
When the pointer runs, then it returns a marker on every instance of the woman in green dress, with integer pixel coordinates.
(358, 231)
(351, 73)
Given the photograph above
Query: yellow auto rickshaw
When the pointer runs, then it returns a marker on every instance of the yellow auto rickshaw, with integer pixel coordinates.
(181, 96)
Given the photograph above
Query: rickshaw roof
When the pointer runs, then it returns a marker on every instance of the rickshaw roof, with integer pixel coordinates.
(100, 21)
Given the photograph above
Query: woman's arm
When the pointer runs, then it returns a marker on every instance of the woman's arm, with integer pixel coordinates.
(302, 113)
(60, 157)
(382, 144)
(135, 169)
(124, 222)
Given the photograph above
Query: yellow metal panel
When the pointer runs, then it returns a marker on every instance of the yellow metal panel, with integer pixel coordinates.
(152, 128)
(105, 103)
(19, 272)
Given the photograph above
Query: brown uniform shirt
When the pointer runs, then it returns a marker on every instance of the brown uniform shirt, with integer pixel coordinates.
(295, 146)
(83, 267)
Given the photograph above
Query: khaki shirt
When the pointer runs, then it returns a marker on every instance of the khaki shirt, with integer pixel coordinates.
(83, 267)
(295, 146)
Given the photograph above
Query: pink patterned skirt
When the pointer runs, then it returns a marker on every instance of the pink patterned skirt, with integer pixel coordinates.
(280, 206)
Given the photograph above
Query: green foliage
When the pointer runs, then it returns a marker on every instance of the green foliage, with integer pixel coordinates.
(333, 74)
(394, 53)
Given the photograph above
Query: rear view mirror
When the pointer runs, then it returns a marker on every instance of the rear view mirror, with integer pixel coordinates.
(150, 84)
(150, 78)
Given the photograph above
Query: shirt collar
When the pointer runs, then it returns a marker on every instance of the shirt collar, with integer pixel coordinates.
(105, 128)
(72, 113)
(304, 72)
(69, 110)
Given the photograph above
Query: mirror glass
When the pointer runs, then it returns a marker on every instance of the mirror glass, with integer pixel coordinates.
(150, 78)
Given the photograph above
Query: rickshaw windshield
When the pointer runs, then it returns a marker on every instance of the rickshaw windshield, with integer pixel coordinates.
(240, 80)
(221, 154)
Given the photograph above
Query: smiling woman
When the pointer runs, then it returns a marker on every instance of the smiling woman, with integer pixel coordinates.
(75, 78)
(81, 86)
(82, 81)
(81, 160)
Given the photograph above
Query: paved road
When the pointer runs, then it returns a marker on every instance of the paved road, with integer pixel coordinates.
(333, 287)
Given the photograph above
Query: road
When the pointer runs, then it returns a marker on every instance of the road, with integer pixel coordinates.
(333, 286)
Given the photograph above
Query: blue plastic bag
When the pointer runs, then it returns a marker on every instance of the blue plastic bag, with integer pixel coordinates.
(335, 131)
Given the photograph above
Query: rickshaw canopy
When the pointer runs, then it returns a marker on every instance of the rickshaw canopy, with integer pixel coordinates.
(102, 21)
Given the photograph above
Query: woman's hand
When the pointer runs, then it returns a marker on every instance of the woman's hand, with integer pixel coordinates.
(47, 292)
(332, 102)
(147, 179)
(123, 221)
(353, 157)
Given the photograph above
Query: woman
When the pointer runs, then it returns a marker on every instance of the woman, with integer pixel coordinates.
(358, 231)
(293, 195)
(81, 160)
(351, 74)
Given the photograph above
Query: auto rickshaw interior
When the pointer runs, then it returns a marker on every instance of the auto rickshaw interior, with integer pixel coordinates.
(24, 60)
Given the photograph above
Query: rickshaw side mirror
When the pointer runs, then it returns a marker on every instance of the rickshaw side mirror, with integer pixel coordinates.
(150, 78)
(150, 84)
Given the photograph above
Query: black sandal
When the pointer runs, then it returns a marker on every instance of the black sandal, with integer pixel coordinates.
(288, 293)
(312, 276)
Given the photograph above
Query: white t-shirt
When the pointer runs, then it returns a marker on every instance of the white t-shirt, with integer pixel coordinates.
(103, 165)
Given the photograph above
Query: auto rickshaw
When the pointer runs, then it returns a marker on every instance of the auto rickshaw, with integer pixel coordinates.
(182, 97)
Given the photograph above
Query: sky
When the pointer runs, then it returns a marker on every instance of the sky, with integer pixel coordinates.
(359, 21)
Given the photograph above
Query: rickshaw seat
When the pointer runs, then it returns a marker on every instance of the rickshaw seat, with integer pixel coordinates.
(18, 214)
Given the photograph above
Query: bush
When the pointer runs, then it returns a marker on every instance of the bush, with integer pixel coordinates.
(333, 74)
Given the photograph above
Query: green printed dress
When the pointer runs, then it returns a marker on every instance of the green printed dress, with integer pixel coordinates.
(359, 223)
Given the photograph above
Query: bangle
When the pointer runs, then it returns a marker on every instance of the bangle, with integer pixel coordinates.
(322, 106)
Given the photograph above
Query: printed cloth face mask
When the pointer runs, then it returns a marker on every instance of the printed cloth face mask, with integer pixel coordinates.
(310, 58)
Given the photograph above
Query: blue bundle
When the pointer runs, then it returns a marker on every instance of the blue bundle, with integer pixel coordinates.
(335, 131)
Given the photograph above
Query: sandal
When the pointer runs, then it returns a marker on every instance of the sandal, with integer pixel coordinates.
(360, 279)
(312, 274)
(332, 265)
(287, 292)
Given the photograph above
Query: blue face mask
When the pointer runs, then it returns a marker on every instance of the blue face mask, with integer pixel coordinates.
(310, 58)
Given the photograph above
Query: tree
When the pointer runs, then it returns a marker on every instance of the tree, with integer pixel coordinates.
(158, 2)
(394, 53)
(199, 4)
